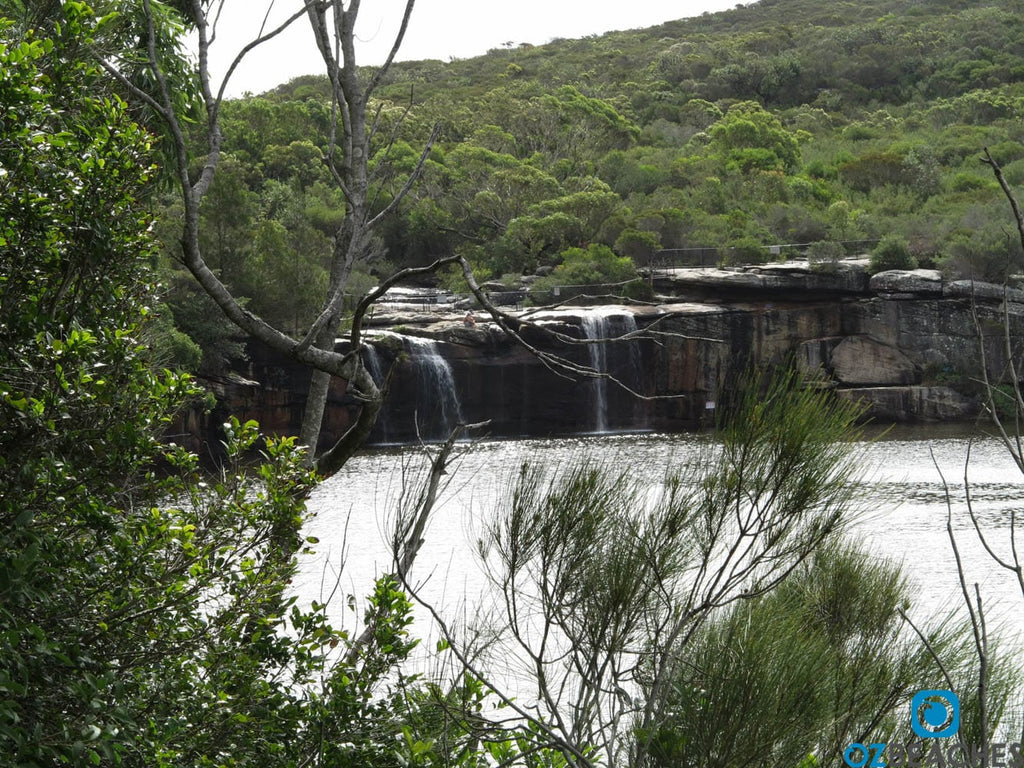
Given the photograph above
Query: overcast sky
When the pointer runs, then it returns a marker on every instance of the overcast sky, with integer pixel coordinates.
(440, 29)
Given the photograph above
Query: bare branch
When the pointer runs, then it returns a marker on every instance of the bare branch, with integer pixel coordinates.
(214, 137)
(410, 182)
(134, 90)
(929, 647)
(961, 573)
(1017, 215)
(379, 74)
(409, 536)
(377, 293)
(249, 47)
(553, 738)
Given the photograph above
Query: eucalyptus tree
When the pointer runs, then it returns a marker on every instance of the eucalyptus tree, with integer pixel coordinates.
(350, 144)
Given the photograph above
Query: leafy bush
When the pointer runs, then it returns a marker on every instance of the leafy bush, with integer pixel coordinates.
(582, 270)
(814, 665)
(893, 252)
(968, 182)
(988, 253)
(746, 250)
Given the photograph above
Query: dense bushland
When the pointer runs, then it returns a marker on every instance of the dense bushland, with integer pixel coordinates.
(145, 611)
(779, 123)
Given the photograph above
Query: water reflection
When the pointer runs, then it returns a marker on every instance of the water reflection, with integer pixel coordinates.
(902, 494)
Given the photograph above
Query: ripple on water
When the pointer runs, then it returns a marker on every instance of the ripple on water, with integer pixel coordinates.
(902, 494)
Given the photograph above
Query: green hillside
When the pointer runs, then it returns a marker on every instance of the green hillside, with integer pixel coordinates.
(827, 127)
(781, 52)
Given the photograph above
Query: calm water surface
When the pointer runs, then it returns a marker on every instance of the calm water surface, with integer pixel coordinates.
(903, 497)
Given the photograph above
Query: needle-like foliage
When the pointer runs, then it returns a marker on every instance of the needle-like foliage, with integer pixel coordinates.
(605, 581)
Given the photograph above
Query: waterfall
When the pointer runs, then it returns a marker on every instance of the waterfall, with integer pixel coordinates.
(611, 358)
(375, 366)
(635, 378)
(438, 409)
(595, 326)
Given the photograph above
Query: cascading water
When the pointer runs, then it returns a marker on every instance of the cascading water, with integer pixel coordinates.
(634, 379)
(374, 364)
(595, 326)
(610, 357)
(438, 409)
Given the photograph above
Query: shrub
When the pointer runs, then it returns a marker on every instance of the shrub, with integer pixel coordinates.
(968, 182)
(893, 252)
(746, 250)
(597, 266)
(824, 255)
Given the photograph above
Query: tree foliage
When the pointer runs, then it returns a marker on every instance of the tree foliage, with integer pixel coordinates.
(892, 252)
(604, 586)
(146, 615)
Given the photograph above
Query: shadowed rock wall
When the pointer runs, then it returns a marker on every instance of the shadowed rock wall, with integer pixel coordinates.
(905, 343)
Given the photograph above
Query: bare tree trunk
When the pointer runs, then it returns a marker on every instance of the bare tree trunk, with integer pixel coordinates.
(313, 413)
(335, 457)
(350, 145)
(333, 26)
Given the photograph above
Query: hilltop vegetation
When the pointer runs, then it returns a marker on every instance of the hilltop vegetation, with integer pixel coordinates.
(786, 122)
(148, 608)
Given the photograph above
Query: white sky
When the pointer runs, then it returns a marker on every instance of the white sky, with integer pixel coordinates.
(439, 29)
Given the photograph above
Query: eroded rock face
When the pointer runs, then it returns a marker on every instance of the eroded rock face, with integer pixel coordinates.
(909, 404)
(895, 342)
(860, 361)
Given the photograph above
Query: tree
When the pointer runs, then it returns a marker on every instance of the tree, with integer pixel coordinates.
(580, 269)
(350, 146)
(146, 614)
(749, 137)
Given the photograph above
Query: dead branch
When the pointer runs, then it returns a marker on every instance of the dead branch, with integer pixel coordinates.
(558, 364)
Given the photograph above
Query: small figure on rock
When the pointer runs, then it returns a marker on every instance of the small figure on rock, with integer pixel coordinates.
(469, 320)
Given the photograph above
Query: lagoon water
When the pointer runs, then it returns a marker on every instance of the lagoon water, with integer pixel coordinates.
(903, 498)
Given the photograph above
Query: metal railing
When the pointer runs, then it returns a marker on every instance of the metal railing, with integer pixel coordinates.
(663, 261)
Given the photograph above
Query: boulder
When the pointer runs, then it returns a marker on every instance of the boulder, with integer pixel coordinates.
(482, 335)
(495, 286)
(862, 361)
(915, 282)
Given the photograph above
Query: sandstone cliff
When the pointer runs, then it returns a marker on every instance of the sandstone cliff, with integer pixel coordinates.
(905, 343)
